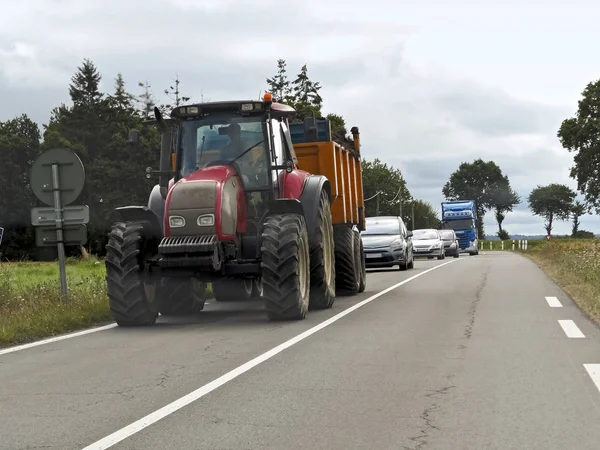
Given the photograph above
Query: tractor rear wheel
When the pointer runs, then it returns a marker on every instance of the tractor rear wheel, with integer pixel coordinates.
(285, 267)
(347, 264)
(234, 289)
(322, 259)
(182, 296)
(362, 281)
(132, 289)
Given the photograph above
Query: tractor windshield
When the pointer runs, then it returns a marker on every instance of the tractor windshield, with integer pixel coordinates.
(226, 139)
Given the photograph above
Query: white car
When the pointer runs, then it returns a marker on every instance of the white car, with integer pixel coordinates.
(428, 242)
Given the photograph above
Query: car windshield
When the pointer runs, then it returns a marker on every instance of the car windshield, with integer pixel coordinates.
(462, 224)
(225, 138)
(447, 235)
(424, 234)
(381, 227)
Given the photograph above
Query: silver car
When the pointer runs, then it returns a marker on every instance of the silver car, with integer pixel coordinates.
(450, 242)
(387, 242)
(428, 242)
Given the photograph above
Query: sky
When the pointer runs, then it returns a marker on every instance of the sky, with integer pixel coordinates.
(428, 86)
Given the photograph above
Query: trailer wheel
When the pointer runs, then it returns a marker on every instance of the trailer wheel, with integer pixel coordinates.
(347, 266)
(131, 287)
(182, 296)
(233, 289)
(285, 267)
(322, 259)
(362, 280)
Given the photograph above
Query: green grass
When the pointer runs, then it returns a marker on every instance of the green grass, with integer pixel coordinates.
(574, 264)
(30, 303)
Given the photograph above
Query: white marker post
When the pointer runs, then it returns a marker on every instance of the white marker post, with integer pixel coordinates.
(502, 245)
(490, 245)
(513, 246)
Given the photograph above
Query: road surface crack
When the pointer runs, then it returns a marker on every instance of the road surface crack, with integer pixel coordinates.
(475, 303)
(421, 440)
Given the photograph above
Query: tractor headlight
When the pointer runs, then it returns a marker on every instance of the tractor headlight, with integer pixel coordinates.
(206, 220)
(176, 222)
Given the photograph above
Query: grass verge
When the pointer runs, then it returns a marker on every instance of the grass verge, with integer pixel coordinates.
(30, 303)
(574, 264)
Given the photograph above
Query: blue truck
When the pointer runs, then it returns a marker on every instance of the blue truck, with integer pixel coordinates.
(461, 216)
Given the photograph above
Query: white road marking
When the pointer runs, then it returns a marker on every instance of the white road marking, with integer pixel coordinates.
(165, 411)
(55, 339)
(553, 302)
(594, 373)
(571, 329)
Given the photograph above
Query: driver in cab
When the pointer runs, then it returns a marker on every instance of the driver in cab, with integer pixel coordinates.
(236, 146)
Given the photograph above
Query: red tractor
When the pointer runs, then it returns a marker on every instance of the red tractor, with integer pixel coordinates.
(233, 208)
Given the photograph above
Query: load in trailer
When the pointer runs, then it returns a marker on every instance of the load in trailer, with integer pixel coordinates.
(242, 203)
(461, 216)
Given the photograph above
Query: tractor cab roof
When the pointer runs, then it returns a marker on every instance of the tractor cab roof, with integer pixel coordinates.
(242, 107)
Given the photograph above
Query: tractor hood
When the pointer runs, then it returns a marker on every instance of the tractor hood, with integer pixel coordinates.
(205, 202)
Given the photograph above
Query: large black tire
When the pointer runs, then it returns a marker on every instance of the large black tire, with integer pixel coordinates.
(347, 265)
(132, 289)
(322, 259)
(362, 280)
(181, 296)
(235, 289)
(285, 267)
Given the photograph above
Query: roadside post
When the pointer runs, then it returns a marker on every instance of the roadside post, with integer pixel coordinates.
(57, 179)
(502, 244)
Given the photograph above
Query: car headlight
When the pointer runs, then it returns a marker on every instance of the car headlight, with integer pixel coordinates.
(396, 244)
(206, 220)
(176, 222)
(435, 246)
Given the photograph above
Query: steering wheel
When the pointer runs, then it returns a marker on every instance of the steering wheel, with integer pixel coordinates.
(218, 162)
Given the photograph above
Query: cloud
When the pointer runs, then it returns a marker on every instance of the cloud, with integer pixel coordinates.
(423, 121)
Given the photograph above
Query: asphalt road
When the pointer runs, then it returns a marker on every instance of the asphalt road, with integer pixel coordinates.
(470, 355)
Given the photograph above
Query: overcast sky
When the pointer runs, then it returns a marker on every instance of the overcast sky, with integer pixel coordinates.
(429, 87)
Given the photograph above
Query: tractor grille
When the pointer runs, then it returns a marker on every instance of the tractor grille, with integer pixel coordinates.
(187, 244)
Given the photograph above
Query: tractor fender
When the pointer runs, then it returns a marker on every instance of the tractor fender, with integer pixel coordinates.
(310, 198)
(139, 213)
(156, 204)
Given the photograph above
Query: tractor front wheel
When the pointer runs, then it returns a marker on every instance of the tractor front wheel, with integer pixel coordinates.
(285, 267)
(132, 289)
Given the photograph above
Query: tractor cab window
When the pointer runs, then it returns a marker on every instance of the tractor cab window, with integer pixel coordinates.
(226, 139)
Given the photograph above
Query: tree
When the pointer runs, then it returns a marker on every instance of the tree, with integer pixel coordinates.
(147, 100)
(85, 87)
(480, 181)
(176, 97)
(581, 135)
(384, 189)
(306, 97)
(554, 201)
(19, 146)
(505, 199)
(425, 215)
(121, 100)
(579, 209)
(279, 85)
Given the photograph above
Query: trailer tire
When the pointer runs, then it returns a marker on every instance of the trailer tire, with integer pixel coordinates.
(233, 289)
(285, 267)
(362, 280)
(131, 288)
(181, 296)
(322, 258)
(347, 266)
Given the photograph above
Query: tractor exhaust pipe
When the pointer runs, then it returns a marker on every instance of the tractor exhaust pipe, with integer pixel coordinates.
(165, 168)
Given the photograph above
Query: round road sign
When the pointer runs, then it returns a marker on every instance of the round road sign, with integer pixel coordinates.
(71, 176)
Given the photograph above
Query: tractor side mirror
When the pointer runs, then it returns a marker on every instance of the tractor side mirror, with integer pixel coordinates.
(133, 138)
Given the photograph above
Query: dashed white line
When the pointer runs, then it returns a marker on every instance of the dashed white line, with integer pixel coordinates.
(571, 329)
(594, 373)
(553, 302)
(56, 339)
(169, 409)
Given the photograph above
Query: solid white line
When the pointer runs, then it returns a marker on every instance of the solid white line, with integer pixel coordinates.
(55, 339)
(553, 302)
(594, 373)
(571, 329)
(163, 412)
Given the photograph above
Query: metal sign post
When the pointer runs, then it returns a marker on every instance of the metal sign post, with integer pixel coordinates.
(57, 179)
